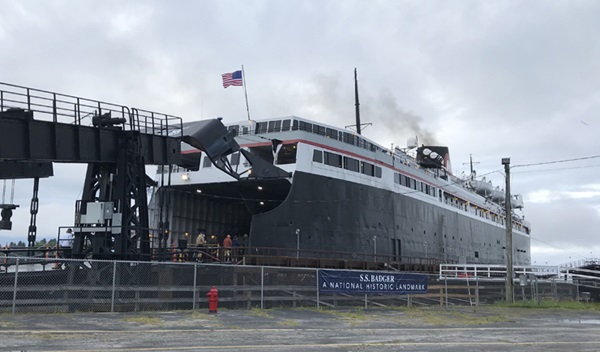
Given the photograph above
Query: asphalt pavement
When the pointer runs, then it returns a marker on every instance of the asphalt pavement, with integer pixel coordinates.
(292, 330)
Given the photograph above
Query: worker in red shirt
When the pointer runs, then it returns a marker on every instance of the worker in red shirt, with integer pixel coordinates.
(227, 246)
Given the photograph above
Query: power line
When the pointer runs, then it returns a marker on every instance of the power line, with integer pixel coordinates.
(558, 161)
(558, 247)
(559, 169)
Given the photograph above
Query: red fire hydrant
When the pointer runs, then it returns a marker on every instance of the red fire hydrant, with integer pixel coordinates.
(213, 300)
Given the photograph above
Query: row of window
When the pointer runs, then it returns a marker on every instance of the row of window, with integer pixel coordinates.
(285, 155)
(344, 162)
(234, 159)
(410, 182)
(297, 125)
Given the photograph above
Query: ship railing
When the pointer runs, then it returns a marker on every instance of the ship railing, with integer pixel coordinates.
(580, 263)
(339, 255)
(495, 271)
(590, 276)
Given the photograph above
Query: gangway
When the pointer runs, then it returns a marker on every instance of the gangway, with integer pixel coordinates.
(38, 128)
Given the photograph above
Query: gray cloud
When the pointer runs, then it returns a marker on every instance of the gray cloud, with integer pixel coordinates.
(492, 79)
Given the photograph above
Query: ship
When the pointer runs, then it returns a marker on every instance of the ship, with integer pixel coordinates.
(293, 183)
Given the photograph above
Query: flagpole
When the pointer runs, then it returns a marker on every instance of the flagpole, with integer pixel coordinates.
(245, 92)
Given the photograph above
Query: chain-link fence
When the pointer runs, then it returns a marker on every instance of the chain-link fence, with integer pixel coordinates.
(69, 285)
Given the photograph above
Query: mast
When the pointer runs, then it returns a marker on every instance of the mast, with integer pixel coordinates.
(356, 102)
(471, 162)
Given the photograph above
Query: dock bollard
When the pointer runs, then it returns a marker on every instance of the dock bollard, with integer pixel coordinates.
(213, 300)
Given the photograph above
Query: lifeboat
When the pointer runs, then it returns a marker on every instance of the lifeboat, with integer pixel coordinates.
(483, 188)
(498, 195)
(516, 201)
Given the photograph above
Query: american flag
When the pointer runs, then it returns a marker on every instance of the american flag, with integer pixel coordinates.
(232, 79)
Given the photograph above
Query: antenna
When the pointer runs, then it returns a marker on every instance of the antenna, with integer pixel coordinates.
(471, 162)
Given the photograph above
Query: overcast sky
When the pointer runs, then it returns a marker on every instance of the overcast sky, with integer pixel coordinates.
(494, 79)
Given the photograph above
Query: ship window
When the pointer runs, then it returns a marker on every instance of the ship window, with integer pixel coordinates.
(368, 169)
(261, 127)
(317, 156)
(351, 164)
(295, 125)
(233, 127)
(348, 138)
(206, 162)
(377, 171)
(413, 184)
(285, 125)
(333, 159)
(265, 153)
(406, 182)
(305, 126)
(477, 256)
(396, 177)
(274, 126)
(244, 130)
(287, 154)
(319, 130)
(331, 133)
(235, 158)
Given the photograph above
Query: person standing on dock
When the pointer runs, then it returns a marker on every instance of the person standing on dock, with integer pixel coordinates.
(67, 243)
(227, 246)
(200, 245)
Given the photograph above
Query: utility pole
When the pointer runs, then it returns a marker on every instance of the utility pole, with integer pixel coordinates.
(508, 222)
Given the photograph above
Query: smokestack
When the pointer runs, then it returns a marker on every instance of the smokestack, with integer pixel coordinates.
(356, 101)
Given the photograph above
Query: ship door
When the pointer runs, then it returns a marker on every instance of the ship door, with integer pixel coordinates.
(396, 249)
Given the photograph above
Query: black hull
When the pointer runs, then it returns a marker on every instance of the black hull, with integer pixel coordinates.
(336, 215)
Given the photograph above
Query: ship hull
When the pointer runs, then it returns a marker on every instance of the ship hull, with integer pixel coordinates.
(329, 214)
(342, 216)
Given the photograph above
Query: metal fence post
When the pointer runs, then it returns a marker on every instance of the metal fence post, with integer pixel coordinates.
(14, 305)
(114, 283)
(446, 291)
(262, 286)
(476, 290)
(318, 297)
(195, 293)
